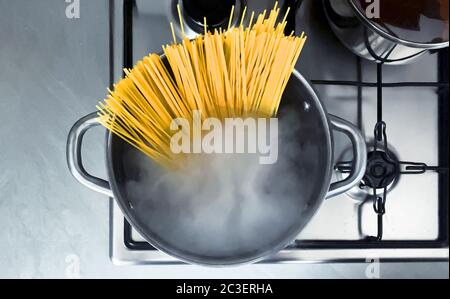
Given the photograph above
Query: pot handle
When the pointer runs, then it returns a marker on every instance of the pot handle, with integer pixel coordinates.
(360, 156)
(74, 160)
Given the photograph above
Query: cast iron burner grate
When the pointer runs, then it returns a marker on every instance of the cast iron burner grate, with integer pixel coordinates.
(405, 168)
(382, 167)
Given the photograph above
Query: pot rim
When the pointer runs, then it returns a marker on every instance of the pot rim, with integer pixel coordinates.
(407, 43)
(232, 262)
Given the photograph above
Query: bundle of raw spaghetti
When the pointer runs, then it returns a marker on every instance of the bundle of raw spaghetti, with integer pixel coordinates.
(224, 74)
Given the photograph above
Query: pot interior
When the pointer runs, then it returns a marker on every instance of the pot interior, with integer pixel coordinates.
(423, 22)
(231, 209)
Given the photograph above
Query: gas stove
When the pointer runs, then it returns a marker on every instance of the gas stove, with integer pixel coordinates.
(400, 210)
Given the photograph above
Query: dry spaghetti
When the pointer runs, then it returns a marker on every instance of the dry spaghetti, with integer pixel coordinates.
(232, 73)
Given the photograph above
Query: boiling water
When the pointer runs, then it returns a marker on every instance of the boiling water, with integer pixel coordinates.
(221, 206)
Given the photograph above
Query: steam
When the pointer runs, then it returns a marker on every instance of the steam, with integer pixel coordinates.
(222, 205)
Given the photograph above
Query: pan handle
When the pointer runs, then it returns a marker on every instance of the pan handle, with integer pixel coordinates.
(360, 156)
(74, 160)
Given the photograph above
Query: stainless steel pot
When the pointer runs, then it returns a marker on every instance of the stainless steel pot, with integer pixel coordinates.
(359, 34)
(309, 177)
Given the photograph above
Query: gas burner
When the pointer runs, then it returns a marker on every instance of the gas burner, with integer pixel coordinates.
(383, 168)
(217, 15)
(383, 171)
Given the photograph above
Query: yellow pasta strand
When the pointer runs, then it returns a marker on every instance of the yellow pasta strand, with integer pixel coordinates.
(226, 73)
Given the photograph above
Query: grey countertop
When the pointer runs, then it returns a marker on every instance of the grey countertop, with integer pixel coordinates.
(53, 70)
